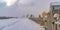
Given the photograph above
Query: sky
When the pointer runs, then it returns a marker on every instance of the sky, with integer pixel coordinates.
(11, 2)
(24, 7)
(8, 2)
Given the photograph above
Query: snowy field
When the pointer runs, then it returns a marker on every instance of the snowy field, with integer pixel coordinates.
(19, 24)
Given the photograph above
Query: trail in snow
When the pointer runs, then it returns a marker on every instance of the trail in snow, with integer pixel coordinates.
(19, 24)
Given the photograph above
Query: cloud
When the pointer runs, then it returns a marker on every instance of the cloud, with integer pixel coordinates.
(23, 2)
(26, 2)
(9, 2)
(1, 1)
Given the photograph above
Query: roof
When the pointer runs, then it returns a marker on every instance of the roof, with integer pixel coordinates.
(55, 3)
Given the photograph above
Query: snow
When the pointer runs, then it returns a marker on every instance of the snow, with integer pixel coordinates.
(19, 24)
(55, 3)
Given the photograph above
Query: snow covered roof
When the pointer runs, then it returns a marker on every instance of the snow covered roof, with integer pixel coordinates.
(55, 3)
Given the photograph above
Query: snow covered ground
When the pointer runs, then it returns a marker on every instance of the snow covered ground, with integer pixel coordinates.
(19, 24)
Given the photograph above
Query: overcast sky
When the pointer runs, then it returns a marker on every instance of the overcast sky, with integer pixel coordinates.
(21, 7)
